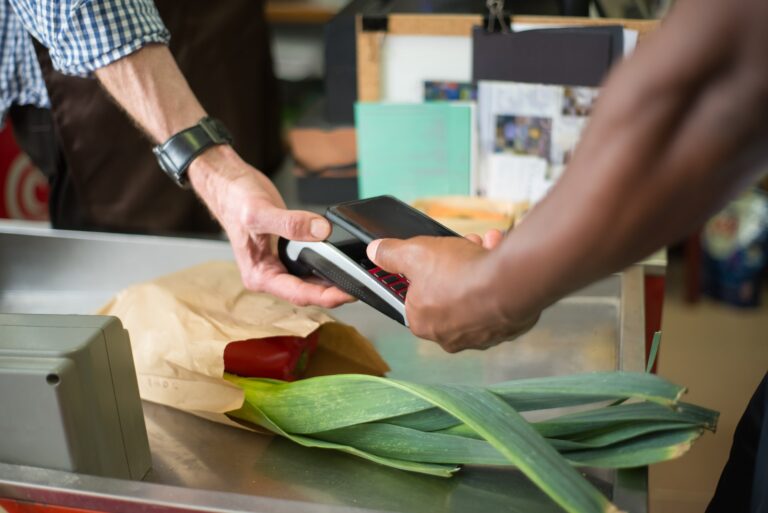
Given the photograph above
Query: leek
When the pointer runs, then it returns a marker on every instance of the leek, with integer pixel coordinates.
(435, 429)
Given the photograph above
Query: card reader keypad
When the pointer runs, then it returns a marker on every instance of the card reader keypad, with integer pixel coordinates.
(397, 283)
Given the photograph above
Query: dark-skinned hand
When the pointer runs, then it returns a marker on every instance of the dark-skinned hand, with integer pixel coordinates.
(452, 299)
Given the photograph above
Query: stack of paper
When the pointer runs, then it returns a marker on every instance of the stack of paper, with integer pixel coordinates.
(526, 131)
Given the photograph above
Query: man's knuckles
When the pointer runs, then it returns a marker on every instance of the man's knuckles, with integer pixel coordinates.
(292, 226)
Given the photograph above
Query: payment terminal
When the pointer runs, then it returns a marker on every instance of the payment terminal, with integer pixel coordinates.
(342, 261)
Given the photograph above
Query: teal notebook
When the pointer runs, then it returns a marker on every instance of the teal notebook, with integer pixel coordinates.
(414, 150)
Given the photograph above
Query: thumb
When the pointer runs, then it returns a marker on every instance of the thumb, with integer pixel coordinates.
(291, 224)
(388, 254)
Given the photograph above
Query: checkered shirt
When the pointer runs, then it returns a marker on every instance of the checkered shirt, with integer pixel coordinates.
(81, 35)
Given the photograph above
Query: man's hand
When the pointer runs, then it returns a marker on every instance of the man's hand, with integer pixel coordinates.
(451, 299)
(152, 90)
(252, 213)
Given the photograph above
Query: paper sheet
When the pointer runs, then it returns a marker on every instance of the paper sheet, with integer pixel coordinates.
(409, 61)
(513, 178)
(415, 150)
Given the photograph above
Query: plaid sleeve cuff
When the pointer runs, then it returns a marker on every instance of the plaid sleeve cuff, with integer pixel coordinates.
(99, 32)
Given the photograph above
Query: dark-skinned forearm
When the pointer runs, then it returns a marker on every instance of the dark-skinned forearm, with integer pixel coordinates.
(676, 132)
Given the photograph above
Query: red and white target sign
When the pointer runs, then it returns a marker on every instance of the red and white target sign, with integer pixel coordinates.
(23, 188)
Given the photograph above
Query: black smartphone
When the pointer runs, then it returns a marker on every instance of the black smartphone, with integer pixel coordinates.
(384, 217)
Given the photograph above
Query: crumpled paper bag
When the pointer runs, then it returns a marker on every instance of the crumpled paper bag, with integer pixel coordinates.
(179, 325)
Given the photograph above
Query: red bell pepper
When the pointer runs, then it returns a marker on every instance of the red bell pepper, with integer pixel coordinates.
(282, 358)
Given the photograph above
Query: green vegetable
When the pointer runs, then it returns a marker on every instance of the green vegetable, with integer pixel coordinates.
(434, 429)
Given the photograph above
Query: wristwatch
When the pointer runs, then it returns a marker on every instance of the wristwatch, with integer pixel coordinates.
(177, 153)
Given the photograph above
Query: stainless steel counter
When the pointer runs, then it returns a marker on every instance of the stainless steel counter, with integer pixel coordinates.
(202, 466)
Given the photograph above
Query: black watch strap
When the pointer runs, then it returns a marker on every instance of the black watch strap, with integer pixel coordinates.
(177, 153)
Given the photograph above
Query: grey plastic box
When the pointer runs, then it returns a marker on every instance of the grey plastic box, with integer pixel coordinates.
(69, 399)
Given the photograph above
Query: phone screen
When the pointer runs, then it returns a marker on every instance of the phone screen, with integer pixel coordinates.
(385, 217)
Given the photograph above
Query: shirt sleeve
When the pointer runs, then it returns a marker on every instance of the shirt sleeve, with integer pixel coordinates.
(21, 81)
(84, 35)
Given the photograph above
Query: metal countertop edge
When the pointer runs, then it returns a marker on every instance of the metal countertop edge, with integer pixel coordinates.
(66, 489)
(631, 355)
(631, 490)
(41, 230)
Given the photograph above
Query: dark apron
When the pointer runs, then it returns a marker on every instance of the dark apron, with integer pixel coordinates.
(109, 179)
(743, 485)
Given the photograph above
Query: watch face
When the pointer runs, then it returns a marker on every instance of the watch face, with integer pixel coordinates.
(178, 176)
(160, 155)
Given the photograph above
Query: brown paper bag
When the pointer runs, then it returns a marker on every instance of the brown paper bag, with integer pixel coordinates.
(179, 325)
